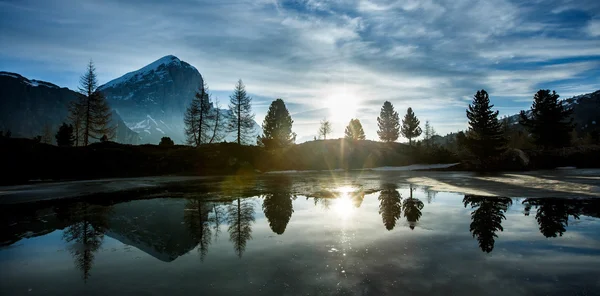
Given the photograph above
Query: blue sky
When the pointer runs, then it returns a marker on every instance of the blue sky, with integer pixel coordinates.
(338, 59)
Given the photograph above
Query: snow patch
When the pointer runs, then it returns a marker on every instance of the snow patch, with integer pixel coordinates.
(160, 130)
(9, 75)
(415, 167)
(150, 69)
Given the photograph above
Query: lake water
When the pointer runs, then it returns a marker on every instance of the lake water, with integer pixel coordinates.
(397, 239)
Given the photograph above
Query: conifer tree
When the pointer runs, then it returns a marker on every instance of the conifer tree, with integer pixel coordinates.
(484, 137)
(354, 130)
(91, 109)
(325, 129)
(388, 123)
(241, 120)
(429, 134)
(277, 127)
(197, 116)
(64, 136)
(549, 122)
(410, 126)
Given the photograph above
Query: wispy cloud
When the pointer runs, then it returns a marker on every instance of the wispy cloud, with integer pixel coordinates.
(426, 54)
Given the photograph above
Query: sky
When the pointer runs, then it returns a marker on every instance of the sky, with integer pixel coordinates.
(334, 59)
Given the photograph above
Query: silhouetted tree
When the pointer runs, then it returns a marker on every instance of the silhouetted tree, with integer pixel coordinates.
(277, 127)
(196, 217)
(412, 209)
(390, 205)
(354, 130)
(75, 118)
(277, 205)
(549, 122)
(485, 137)
(88, 223)
(486, 219)
(240, 217)
(325, 129)
(429, 134)
(64, 136)
(241, 120)
(47, 134)
(197, 116)
(218, 127)
(553, 214)
(388, 123)
(91, 109)
(104, 139)
(410, 126)
(166, 141)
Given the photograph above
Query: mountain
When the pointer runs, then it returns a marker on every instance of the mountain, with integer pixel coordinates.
(153, 99)
(28, 107)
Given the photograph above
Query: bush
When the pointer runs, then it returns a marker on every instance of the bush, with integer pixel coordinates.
(166, 141)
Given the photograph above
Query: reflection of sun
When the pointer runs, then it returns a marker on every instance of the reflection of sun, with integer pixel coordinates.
(343, 205)
(342, 104)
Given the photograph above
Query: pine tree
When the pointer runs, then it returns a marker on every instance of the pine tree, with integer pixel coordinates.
(354, 130)
(241, 120)
(550, 122)
(277, 127)
(91, 110)
(325, 129)
(484, 137)
(389, 123)
(197, 117)
(410, 126)
(64, 136)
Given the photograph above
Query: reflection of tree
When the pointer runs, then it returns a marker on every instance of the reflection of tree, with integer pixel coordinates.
(88, 224)
(240, 217)
(196, 217)
(389, 205)
(553, 214)
(487, 218)
(219, 218)
(277, 207)
(357, 198)
(412, 209)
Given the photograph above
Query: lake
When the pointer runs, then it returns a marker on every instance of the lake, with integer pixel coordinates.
(310, 235)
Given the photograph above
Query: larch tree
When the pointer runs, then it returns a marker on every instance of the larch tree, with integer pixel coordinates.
(325, 129)
(354, 130)
(91, 110)
(410, 126)
(241, 120)
(485, 135)
(429, 134)
(549, 121)
(197, 118)
(277, 127)
(388, 123)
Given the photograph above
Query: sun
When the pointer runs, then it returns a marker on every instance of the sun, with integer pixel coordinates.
(342, 104)
(343, 206)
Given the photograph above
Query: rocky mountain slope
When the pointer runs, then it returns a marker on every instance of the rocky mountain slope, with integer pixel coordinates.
(28, 107)
(153, 99)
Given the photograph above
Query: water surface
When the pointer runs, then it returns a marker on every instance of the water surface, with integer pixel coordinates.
(399, 239)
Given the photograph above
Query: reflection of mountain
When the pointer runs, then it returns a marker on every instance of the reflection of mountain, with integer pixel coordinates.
(553, 214)
(412, 209)
(486, 219)
(390, 206)
(155, 226)
(86, 232)
(240, 216)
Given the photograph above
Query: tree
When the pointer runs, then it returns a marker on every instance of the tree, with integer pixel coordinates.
(484, 137)
(487, 218)
(47, 134)
(91, 109)
(196, 217)
(325, 128)
(429, 134)
(390, 205)
(354, 130)
(196, 117)
(166, 141)
(64, 136)
(75, 118)
(552, 214)
(412, 209)
(278, 209)
(104, 139)
(410, 126)
(217, 133)
(277, 127)
(241, 120)
(549, 121)
(389, 123)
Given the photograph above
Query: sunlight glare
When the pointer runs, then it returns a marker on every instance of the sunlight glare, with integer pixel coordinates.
(342, 105)
(343, 205)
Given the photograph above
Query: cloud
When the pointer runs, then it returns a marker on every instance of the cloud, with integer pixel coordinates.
(427, 54)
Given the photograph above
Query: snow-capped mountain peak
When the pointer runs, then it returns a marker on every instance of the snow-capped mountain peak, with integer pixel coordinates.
(156, 69)
(31, 82)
